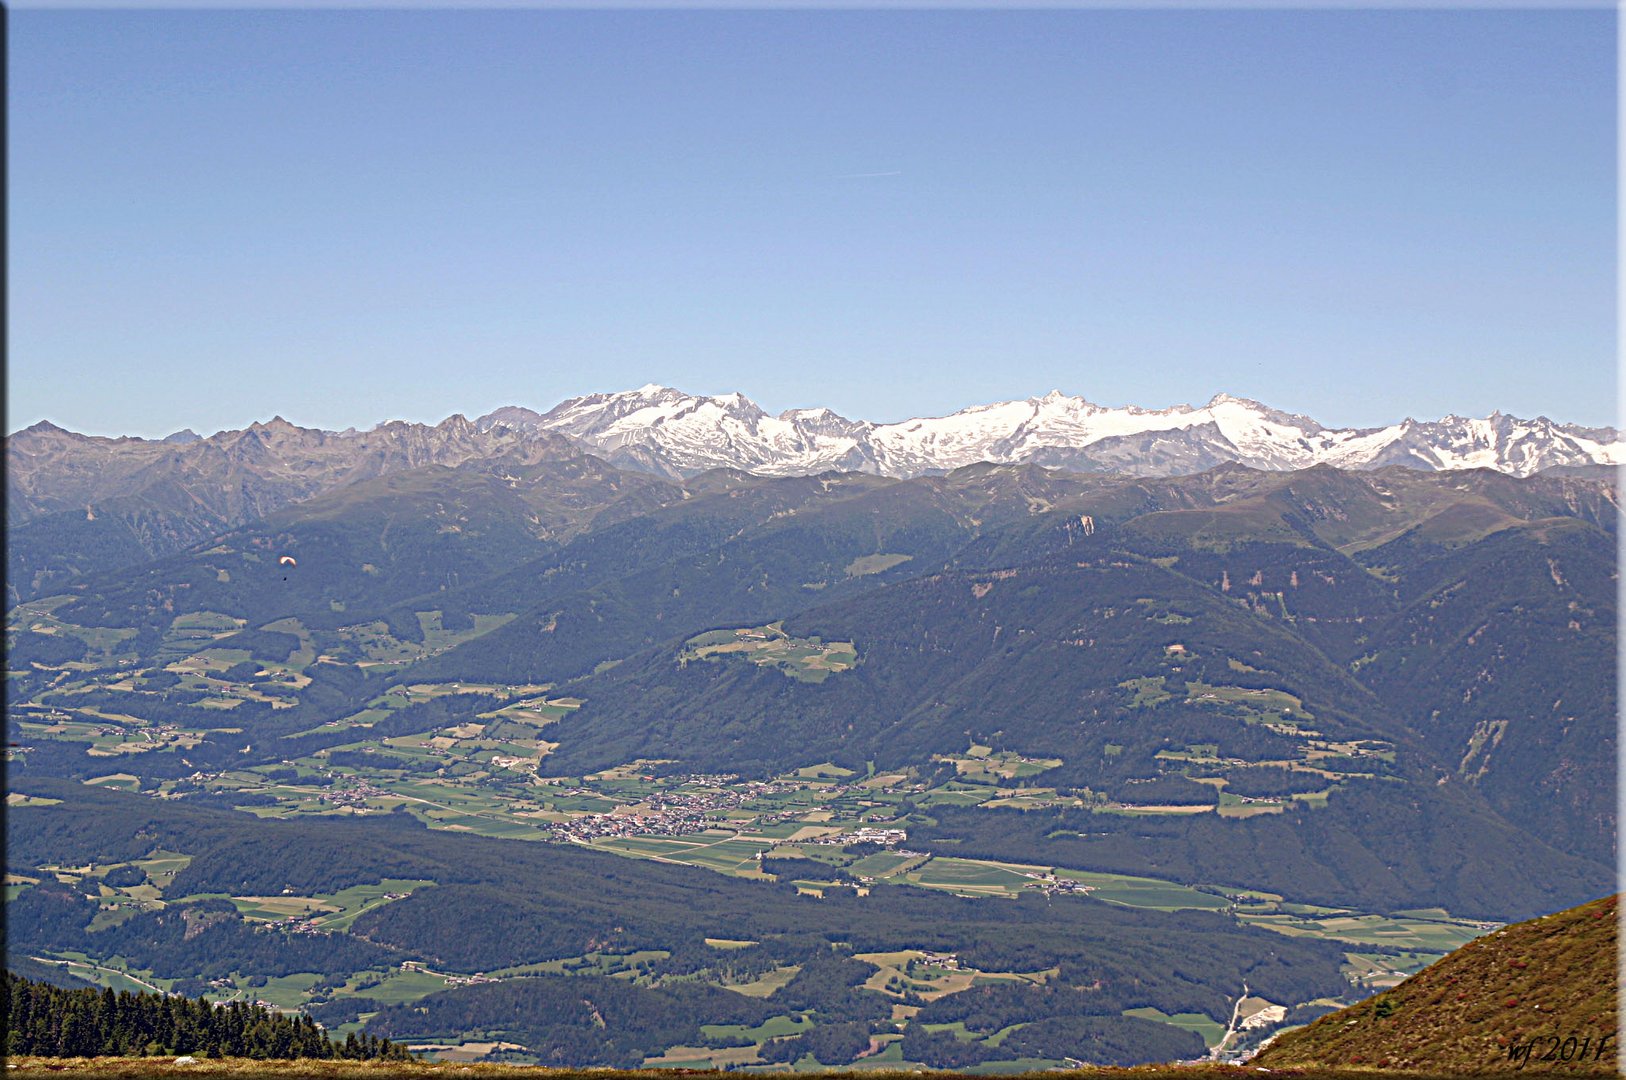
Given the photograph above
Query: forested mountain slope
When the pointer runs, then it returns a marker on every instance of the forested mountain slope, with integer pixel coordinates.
(1366, 711)
(77, 504)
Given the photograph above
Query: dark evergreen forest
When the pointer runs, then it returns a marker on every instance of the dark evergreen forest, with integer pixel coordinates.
(51, 1021)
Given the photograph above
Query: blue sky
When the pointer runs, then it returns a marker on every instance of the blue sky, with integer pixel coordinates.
(347, 216)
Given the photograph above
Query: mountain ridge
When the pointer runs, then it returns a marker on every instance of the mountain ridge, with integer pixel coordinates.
(671, 431)
(660, 429)
(132, 498)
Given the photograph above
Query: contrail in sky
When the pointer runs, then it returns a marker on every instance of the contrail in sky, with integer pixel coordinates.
(865, 175)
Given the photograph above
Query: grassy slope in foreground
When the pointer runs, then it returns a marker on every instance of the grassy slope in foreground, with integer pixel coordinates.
(1497, 1003)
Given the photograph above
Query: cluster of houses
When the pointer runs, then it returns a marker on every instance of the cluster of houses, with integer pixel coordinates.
(864, 834)
(153, 733)
(1051, 885)
(671, 812)
(469, 980)
(713, 779)
(477, 979)
(354, 796)
(226, 984)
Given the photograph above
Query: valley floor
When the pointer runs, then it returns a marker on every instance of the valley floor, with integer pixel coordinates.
(480, 778)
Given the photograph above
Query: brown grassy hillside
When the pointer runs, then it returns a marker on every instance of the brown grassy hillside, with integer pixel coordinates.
(1505, 1001)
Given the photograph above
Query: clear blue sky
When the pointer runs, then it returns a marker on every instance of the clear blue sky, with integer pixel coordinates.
(342, 217)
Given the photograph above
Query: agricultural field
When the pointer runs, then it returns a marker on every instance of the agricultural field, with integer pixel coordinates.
(1432, 936)
(325, 913)
(984, 765)
(107, 734)
(803, 659)
(875, 564)
(1273, 708)
(1211, 1030)
(37, 617)
(378, 648)
(1147, 691)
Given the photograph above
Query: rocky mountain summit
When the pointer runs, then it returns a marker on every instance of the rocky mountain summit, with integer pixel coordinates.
(241, 475)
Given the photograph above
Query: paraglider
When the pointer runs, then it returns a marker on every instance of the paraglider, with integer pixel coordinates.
(288, 560)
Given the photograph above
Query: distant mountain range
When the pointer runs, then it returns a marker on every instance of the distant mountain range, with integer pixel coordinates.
(671, 433)
(667, 431)
(74, 501)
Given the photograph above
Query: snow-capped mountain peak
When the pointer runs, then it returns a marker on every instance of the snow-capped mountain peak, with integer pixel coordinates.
(669, 431)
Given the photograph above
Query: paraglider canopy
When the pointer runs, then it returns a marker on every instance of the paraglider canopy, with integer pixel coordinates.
(288, 560)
